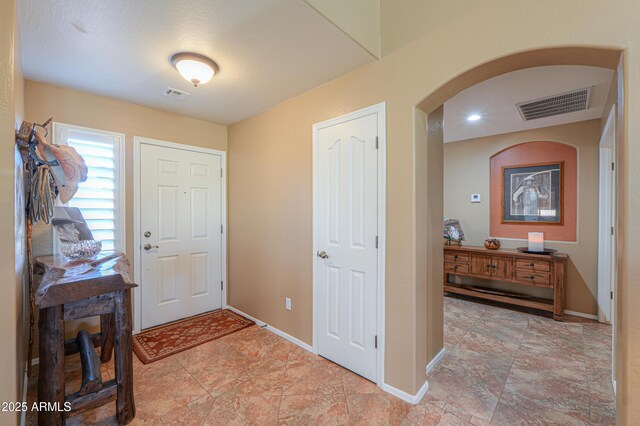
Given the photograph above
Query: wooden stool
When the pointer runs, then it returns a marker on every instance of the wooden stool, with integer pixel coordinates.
(79, 289)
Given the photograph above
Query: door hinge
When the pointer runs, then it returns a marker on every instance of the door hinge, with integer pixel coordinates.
(376, 241)
(377, 142)
(611, 295)
(221, 285)
(222, 229)
(375, 340)
(612, 230)
(220, 172)
(613, 166)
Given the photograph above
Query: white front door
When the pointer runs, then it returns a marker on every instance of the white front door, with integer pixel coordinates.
(180, 223)
(346, 209)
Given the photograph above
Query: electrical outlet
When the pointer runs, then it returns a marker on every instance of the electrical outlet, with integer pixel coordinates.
(475, 198)
(287, 304)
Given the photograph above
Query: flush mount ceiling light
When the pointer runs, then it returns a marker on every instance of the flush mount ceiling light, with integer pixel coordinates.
(474, 117)
(193, 67)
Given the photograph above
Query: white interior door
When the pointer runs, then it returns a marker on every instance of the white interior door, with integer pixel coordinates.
(181, 227)
(346, 162)
(607, 213)
(607, 271)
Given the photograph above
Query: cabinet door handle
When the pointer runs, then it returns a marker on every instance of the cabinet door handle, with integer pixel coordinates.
(455, 256)
(455, 267)
(532, 277)
(532, 264)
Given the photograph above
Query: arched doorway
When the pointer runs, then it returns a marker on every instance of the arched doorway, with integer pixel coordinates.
(429, 138)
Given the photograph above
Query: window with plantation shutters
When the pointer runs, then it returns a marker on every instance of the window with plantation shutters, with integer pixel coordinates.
(101, 197)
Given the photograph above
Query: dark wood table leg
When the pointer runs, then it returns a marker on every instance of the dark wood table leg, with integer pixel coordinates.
(125, 405)
(558, 291)
(107, 330)
(51, 368)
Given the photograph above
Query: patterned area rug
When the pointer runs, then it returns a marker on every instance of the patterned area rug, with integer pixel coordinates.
(168, 339)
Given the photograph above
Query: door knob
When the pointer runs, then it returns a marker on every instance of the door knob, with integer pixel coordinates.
(323, 255)
(147, 234)
(149, 247)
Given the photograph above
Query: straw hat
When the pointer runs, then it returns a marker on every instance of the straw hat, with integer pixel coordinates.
(71, 168)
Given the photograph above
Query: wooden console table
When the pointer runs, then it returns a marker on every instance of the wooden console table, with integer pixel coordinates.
(508, 266)
(79, 289)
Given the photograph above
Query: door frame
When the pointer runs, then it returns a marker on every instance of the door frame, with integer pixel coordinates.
(607, 215)
(380, 110)
(138, 141)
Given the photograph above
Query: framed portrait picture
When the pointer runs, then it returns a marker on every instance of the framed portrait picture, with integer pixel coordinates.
(69, 225)
(453, 230)
(533, 194)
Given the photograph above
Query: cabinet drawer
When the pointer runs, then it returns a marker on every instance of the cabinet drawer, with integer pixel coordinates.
(453, 268)
(540, 279)
(456, 257)
(533, 265)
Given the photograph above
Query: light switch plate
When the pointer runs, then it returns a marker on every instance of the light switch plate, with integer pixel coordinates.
(287, 304)
(475, 198)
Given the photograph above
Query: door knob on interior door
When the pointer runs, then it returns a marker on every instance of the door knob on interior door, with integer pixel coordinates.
(149, 247)
(323, 255)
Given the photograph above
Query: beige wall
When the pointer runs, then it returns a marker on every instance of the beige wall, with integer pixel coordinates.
(22, 288)
(429, 212)
(270, 163)
(359, 19)
(11, 249)
(98, 112)
(402, 22)
(467, 172)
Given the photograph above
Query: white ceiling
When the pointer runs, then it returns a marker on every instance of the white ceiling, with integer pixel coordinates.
(267, 51)
(495, 100)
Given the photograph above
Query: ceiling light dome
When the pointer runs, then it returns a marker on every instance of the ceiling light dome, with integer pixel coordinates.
(195, 68)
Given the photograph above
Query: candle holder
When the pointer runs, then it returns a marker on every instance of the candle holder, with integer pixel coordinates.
(544, 251)
(536, 244)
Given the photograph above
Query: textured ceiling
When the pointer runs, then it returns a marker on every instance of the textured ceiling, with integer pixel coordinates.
(495, 100)
(267, 51)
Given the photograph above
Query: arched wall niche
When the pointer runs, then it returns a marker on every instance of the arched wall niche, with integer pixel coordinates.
(536, 153)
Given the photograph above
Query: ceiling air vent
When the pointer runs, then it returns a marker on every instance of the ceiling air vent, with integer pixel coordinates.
(176, 94)
(577, 100)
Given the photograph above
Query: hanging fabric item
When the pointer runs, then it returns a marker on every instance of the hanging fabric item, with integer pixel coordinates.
(41, 196)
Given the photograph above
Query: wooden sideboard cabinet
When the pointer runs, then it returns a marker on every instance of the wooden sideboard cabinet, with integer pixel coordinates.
(508, 266)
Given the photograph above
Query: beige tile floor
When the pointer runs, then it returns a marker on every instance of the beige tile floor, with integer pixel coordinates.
(501, 367)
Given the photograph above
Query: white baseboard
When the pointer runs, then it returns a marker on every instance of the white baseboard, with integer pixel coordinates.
(415, 399)
(436, 360)
(411, 399)
(581, 315)
(274, 330)
(25, 388)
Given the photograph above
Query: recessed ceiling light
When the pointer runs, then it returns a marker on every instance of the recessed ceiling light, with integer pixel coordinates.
(193, 67)
(474, 117)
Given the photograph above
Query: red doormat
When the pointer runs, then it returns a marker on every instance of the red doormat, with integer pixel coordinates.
(168, 339)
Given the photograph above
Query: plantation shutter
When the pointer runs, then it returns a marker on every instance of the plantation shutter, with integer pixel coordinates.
(98, 198)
